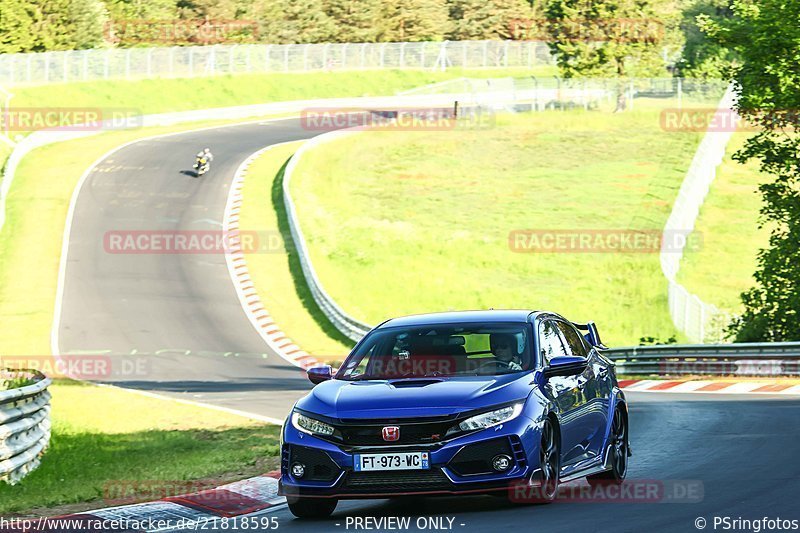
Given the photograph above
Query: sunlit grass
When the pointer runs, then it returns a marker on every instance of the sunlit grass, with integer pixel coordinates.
(407, 222)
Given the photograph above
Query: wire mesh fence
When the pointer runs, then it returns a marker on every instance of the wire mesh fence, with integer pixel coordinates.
(189, 61)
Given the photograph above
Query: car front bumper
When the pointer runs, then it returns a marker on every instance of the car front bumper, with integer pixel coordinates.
(458, 466)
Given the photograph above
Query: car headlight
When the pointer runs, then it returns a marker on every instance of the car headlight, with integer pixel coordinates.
(492, 418)
(309, 425)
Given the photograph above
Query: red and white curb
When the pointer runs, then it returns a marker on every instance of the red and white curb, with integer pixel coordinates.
(204, 509)
(710, 387)
(245, 289)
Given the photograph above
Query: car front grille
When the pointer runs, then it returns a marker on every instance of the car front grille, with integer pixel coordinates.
(412, 431)
(398, 481)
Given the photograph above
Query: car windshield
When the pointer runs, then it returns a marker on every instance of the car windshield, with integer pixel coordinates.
(440, 350)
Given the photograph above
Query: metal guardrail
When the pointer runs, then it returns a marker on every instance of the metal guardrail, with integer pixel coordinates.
(777, 359)
(352, 328)
(24, 425)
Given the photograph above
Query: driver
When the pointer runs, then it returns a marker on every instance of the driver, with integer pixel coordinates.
(504, 348)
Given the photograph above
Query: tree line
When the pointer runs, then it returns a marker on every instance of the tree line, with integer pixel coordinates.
(45, 25)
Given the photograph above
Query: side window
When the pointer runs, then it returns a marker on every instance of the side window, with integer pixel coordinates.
(574, 339)
(550, 341)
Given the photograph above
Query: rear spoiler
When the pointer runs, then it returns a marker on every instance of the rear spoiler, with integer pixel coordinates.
(591, 335)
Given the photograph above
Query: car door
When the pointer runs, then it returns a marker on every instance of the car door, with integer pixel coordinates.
(593, 417)
(565, 392)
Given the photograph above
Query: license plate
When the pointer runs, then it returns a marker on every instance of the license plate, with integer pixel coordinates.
(391, 461)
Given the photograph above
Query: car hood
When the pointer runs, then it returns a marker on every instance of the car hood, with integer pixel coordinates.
(413, 397)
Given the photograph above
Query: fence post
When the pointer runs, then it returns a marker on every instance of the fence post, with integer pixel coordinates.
(286, 58)
(305, 57)
(680, 97)
(363, 55)
(149, 62)
(231, 60)
(344, 55)
(325, 49)
(85, 65)
(46, 57)
(66, 65)
(505, 54)
(28, 67)
(403, 55)
(422, 55)
(191, 61)
(171, 61)
(485, 53)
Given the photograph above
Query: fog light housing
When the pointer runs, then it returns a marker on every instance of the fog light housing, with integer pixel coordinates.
(298, 470)
(501, 462)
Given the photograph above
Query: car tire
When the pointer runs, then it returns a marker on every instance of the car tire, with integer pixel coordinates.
(550, 464)
(312, 507)
(620, 448)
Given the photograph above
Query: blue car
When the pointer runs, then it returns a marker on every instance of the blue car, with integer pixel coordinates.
(503, 402)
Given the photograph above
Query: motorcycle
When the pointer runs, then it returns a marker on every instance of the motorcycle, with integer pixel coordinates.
(201, 166)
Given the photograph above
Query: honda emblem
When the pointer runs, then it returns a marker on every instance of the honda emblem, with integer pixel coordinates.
(391, 433)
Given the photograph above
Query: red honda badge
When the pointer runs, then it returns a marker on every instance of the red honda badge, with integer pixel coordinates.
(391, 433)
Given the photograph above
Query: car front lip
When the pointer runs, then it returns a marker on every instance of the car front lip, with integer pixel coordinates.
(441, 454)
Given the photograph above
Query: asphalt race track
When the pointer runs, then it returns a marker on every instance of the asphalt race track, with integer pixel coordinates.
(180, 314)
(172, 322)
(738, 454)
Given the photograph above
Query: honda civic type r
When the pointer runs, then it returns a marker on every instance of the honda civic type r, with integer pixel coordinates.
(503, 402)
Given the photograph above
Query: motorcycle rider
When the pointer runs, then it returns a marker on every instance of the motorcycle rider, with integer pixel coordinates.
(204, 159)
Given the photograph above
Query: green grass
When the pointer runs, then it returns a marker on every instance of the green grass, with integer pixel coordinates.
(406, 222)
(728, 226)
(165, 95)
(277, 276)
(104, 440)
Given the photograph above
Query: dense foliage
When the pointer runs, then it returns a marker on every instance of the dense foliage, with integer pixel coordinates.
(766, 37)
(41, 25)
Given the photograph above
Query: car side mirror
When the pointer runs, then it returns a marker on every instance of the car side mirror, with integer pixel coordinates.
(566, 365)
(318, 374)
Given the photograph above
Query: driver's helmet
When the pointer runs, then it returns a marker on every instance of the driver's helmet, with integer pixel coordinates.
(206, 150)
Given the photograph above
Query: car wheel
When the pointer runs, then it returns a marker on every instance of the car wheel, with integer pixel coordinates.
(550, 462)
(312, 507)
(619, 452)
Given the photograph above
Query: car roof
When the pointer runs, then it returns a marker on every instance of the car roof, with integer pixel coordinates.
(456, 317)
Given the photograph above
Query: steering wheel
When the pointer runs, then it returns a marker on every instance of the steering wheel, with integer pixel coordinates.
(495, 363)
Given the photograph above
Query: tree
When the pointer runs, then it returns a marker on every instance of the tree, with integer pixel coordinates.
(68, 24)
(297, 21)
(415, 20)
(767, 83)
(16, 27)
(702, 56)
(609, 38)
(482, 19)
(357, 21)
